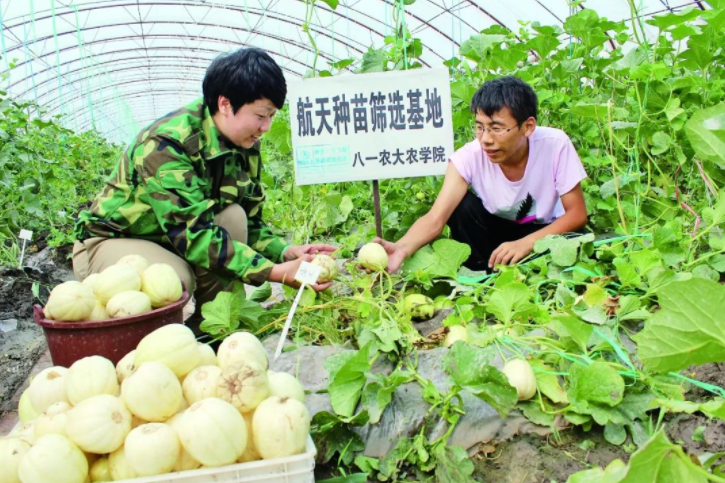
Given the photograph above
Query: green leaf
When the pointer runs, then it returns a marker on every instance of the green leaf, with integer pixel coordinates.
(261, 293)
(374, 61)
(664, 22)
(570, 326)
(332, 435)
(331, 3)
(347, 381)
(477, 46)
(615, 434)
(593, 111)
(688, 329)
(595, 383)
(511, 302)
(548, 383)
(706, 132)
(595, 295)
(221, 315)
(440, 260)
(377, 395)
(469, 367)
(661, 142)
(453, 465)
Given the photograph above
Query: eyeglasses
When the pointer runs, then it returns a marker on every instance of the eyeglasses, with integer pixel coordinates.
(493, 131)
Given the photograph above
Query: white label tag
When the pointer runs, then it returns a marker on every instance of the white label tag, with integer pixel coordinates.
(26, 235)
(308, 273)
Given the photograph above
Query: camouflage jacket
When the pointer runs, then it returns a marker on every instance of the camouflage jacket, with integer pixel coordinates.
(171, 181)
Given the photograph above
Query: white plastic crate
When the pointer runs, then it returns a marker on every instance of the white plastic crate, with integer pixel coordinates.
(292, 469)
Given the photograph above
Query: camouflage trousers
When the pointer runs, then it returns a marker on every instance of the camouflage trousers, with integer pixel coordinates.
(93, 255)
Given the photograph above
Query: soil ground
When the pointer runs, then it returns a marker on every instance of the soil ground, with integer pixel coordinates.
(21, 348)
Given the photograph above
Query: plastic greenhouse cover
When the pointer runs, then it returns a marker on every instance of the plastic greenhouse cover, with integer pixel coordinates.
(119, 64)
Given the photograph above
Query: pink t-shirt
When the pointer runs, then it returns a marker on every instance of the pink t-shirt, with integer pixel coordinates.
(553, 169)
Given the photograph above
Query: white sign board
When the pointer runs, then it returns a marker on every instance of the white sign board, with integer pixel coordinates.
(371, 126)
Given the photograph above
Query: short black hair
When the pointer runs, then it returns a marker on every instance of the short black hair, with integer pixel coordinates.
(243, 77)
(509, 92)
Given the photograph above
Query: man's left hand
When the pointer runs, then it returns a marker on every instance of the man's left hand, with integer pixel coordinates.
(511, 252)
(296, 251)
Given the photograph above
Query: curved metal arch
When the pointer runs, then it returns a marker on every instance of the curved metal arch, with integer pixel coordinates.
(55, 101)
(226, 7)
(127, 59)
(114, 39)
(291, 59)
(277, 16)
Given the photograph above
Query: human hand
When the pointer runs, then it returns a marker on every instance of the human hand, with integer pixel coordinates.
(510, 253)
(296, 251)
(396, 254)
(285, 273)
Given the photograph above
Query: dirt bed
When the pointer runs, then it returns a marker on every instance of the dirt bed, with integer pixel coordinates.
(22, 347)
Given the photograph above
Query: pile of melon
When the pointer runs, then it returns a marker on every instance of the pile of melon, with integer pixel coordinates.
(170, 405)
(129, 287)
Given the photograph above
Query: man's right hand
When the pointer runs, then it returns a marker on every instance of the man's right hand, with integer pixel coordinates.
(285, 273)
(396, 254)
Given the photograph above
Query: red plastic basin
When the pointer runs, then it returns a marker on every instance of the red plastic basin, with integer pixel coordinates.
(112, 338)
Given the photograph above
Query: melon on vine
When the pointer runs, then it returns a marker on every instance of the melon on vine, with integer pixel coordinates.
(328, 268)
(53, 458)
(152, 392)
(173, 345)
(91, 376)
(373, 256)
(521, 376)
(99, 424)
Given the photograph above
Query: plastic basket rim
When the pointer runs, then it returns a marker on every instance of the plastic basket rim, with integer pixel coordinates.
(310, 453)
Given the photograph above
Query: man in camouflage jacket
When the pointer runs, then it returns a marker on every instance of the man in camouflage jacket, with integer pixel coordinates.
(187, 191)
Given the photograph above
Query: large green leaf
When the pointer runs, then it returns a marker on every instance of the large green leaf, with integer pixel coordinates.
(689, 328)
(706, 132)
(347, 381)
(596, 383)
(469, 367)
(658, 461)
(476, 47)
(442, 259)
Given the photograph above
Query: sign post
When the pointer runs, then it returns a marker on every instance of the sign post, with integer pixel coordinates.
(368, 127)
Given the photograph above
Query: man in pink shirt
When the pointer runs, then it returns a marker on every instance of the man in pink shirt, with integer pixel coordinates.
(525, 182)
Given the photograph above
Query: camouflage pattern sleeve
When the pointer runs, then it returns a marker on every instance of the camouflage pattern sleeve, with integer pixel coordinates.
(176, 195)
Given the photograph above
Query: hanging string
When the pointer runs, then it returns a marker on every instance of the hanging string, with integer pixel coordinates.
(401, 23)
(84, 68)
(2, 39)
